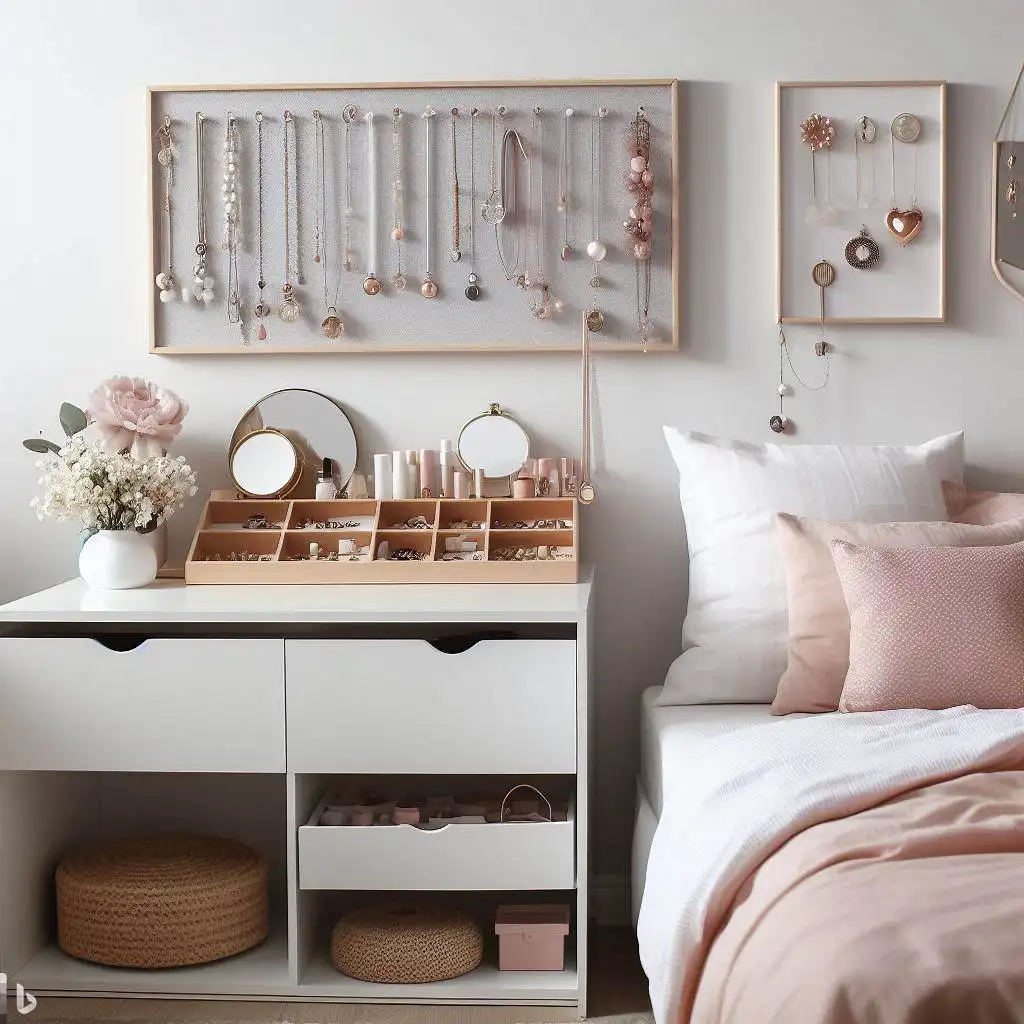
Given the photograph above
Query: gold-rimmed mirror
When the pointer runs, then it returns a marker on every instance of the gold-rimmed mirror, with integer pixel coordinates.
(265, 464)
(318, 428)
(494, 443)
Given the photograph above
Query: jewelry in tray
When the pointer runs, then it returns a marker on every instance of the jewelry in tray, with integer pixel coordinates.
(371, 285)
(639, 224)
(397, 212)
(202, 282)
(165, 284)
(332, 325)
(818, 133)
(473, 288)
(428, 288)
(289, 309)
(262, 310)
(904, 223)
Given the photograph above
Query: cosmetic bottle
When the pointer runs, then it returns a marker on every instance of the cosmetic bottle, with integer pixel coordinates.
(523, 486)
(547, 471)
(428, 473)
(447, 482)
(461, 486)
(567, 473)
(412, 474)
(325, 488)
(399, 476)
(382, 476)
(478, 483)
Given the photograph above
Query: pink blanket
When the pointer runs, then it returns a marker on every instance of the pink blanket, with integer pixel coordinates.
(911, 912)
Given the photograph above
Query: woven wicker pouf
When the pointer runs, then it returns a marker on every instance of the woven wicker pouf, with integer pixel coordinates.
(399, 944)
(166, 902)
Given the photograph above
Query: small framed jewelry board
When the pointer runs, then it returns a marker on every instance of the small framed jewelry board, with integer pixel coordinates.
(337, 203)
(861, 184)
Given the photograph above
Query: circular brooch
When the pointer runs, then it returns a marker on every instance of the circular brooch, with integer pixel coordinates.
(817, 131)
(862, 252)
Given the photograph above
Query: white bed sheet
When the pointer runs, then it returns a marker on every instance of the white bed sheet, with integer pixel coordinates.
(669, 736)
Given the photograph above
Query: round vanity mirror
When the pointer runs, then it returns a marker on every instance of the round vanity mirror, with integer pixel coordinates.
(494, 443)
(317, 428)
(265, 464)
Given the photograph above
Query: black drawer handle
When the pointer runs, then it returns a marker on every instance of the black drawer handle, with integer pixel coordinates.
(120, 641)
(459, 643)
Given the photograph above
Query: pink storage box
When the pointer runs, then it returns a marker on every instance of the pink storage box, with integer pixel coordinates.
(532, 937)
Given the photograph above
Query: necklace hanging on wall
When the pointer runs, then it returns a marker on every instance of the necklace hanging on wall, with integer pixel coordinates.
(862, 252)
(332, 325)
(904, 223)
(456, 252)
(544, 305)
(202, 282)
(639, 224)
(371, 285)
(473, 288)
(428, 288)
(348, 116)
(564, 197)
(262, 310)
(493, 209)
(864, 132)
(397, 278)
(165, 158)
(232, 220)
(780, 423)
(289, 309)
(596, 249)
(818, 133)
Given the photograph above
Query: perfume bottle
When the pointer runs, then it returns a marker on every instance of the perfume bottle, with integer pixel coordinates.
(326, 490)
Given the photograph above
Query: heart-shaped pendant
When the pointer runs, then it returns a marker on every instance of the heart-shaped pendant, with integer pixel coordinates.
(904, 225)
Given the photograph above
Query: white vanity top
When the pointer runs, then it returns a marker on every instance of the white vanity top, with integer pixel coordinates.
(170, 601)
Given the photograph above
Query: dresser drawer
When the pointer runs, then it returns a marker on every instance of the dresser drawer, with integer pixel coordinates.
(534, 855)
(168, 705)
(403, 706)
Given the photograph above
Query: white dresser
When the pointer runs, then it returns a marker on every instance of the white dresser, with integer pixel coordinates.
(232, 710)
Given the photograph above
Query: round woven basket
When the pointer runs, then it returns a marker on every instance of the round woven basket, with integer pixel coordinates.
(166, 902)
(399, 944)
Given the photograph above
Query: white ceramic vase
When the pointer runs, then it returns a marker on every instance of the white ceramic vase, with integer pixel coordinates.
(117, 560)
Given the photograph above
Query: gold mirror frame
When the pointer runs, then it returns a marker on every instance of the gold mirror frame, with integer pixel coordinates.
(288, 487)
(494, 410)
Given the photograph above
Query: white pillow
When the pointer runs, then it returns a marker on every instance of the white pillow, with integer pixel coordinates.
(736, 626)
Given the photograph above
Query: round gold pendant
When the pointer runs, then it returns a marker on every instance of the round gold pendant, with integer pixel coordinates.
(595, 321)
(586, 493)
(429, 288)
(332, 326)
(371, 285)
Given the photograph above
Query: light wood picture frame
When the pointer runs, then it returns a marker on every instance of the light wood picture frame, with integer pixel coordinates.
(908, 284)
(418, 327)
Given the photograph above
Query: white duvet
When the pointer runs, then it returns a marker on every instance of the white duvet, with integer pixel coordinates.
(755, 788)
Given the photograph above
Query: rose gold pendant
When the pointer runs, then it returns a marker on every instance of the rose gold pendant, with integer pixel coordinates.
(332, 326)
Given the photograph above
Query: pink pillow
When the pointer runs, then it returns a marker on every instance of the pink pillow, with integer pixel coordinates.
(933, 627)
(819, 624)
(982, 508)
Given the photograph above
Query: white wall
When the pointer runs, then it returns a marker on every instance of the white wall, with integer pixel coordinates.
(74, 281)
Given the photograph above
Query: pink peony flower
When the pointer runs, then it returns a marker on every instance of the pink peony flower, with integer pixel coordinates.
(133, 414)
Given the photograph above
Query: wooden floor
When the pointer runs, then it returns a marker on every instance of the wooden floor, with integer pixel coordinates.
(618, 995)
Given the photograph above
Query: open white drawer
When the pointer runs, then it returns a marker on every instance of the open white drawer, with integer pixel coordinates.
(165, 705)
(405, 707)
(514, 855)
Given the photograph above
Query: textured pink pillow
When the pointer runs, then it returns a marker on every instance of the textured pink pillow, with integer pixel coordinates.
(933, 627)
(819, 624)
(982, 508)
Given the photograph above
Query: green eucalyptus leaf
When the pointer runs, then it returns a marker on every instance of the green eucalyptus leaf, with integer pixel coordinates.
(72, 419)
(40, 445)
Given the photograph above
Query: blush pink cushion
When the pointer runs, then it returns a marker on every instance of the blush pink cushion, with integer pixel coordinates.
(933, 627)
(981, 508)
(819, 624)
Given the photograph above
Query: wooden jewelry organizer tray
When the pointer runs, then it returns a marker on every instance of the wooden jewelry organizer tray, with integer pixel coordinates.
(279, 553)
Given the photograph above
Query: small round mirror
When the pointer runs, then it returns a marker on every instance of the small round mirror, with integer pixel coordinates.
(315, 424)
(494, 443)
(265, 464)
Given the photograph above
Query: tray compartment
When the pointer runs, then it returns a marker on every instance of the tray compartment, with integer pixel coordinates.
(362, 513)
(393, 513)
(443, 536)
(230, 515)
(530, 510)
(296, 546)
(418, 540)
(513, 539)
(456, 511)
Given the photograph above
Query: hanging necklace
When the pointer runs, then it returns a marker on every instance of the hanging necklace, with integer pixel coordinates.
(586, 492)
(371, 286)
(428, 289)
(348, 115)
(202, 283)
(904, 224)
(232, 220)
(818, 133)
(493, 209)
(165, 158)
(473, 288)
(332, 325)
(398, 228)
(596, 249)
(640, 223)
(262, 309)
(509, 203)
(780, 423)
(456, 233)
(289, 311)
(563, 187)
(544, 304)
(864, 135)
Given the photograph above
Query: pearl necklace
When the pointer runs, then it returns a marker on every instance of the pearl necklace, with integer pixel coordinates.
(231, 218)
(398, 228)
(202, 283)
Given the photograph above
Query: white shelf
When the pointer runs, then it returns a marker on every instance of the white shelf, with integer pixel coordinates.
(484, 985)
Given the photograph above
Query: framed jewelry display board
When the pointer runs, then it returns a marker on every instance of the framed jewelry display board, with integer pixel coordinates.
(379, 195)
(861, 185)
